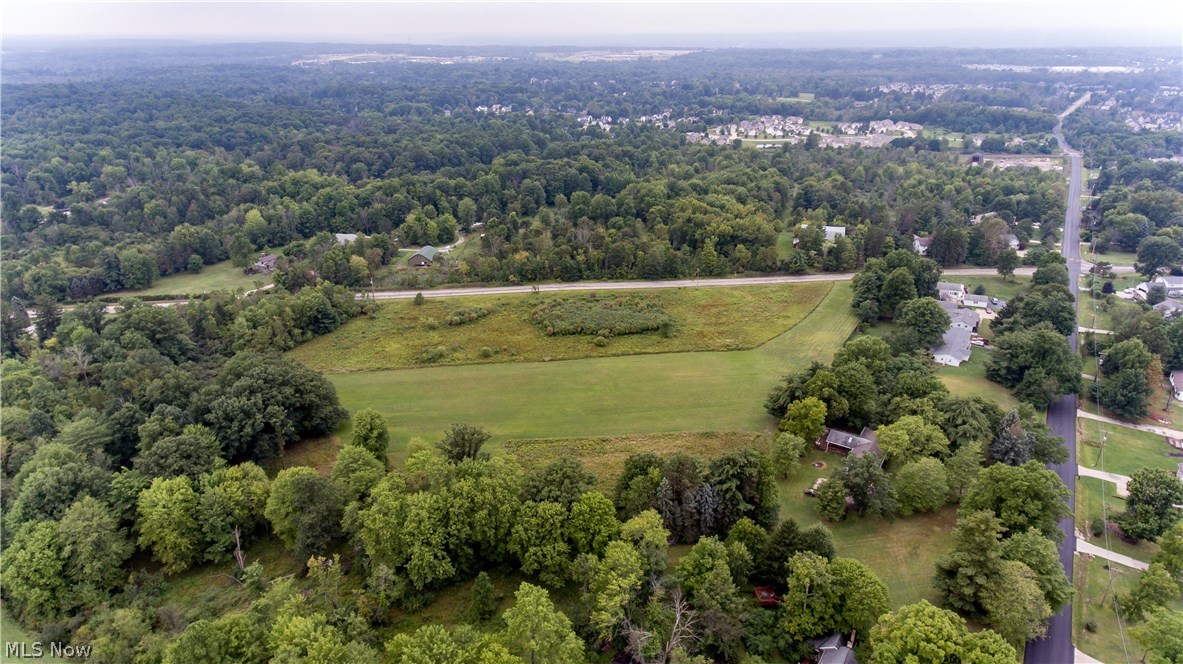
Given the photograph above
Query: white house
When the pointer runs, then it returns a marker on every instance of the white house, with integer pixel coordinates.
(976, 301)
(920, 244)
(833, 232)
(954, 347)
(949, 292)
(961, 317)
(1172, 285)
(1177, 383)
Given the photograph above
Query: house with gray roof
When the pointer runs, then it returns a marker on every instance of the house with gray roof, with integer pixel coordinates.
(833, 649)
(962, 317)
(844, 442)
(1177, 383)
(834, 232)
(976, 301)
(953, 349)
(345, 238)
(1169, 308)
(950, 292)
(424, 257)
(1172, 285)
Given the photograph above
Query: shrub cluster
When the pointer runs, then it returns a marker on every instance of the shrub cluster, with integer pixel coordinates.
(600, 317)
(466, 315)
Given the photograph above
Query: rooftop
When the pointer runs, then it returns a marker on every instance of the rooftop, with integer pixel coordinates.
(955, 344)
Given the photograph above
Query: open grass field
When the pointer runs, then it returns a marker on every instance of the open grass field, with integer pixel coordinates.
(706, 319)
(1126, 450)
(802, 96)
(604, 396)
(219, 276)
(902, 553)
(969, 380)
(1111, 257)
(1096, 497)
(784, 244)
(1094, 313)
(605, 456)
(996, 286)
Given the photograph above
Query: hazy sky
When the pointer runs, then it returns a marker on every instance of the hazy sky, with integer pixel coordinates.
(869, 23)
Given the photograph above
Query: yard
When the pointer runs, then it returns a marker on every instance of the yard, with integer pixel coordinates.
(1126, 450)
(1114, 258)
(784, 244)
(996, 285)
(594, 397)
(219, 276)
(705, 319)
(902, 553)
(969, 379)
(1093, 586)
(1095, 498)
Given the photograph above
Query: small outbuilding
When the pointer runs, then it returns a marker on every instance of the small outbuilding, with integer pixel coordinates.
(843, 442)
(424, 257)
(266, 264)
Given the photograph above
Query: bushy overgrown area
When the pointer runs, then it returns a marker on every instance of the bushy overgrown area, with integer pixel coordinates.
(601, 316)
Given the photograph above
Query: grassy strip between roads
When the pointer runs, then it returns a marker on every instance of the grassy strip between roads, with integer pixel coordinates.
(705, 319)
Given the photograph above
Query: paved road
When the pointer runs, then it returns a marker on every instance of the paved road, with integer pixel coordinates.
(641, 285)
(1056, 647)
(1148, 428)
(1094, 550)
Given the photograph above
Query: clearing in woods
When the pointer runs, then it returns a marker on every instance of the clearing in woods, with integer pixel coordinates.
(602, 396)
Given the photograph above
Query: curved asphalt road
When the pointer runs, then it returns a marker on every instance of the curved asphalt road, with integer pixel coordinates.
(1056, 647)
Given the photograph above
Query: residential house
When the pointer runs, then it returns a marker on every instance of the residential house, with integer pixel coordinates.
(834, 232)
(843, 442)
(950, 292)
(961, 317)
(1179, 472)
(423, 258)
(1011, 240)
(345, 238)
(833, 649)
(976, 301)
(1177, 383)
(920, 244)
(1169, 308)
(954, 347)
(1172, 285)
(266, 264)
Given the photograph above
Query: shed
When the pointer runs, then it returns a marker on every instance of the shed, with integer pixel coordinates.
(424, 257)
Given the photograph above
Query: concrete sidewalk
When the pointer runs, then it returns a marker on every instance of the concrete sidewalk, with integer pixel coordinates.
(1162, 431)
(1120, 480)
(1083, 546)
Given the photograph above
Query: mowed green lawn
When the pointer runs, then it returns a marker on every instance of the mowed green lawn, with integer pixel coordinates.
(902, 553)
(219, 276)
(1126, 450)
(705, 319)
(1098, 581)
(1096, 498)
(606, 396)
(969, 379)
